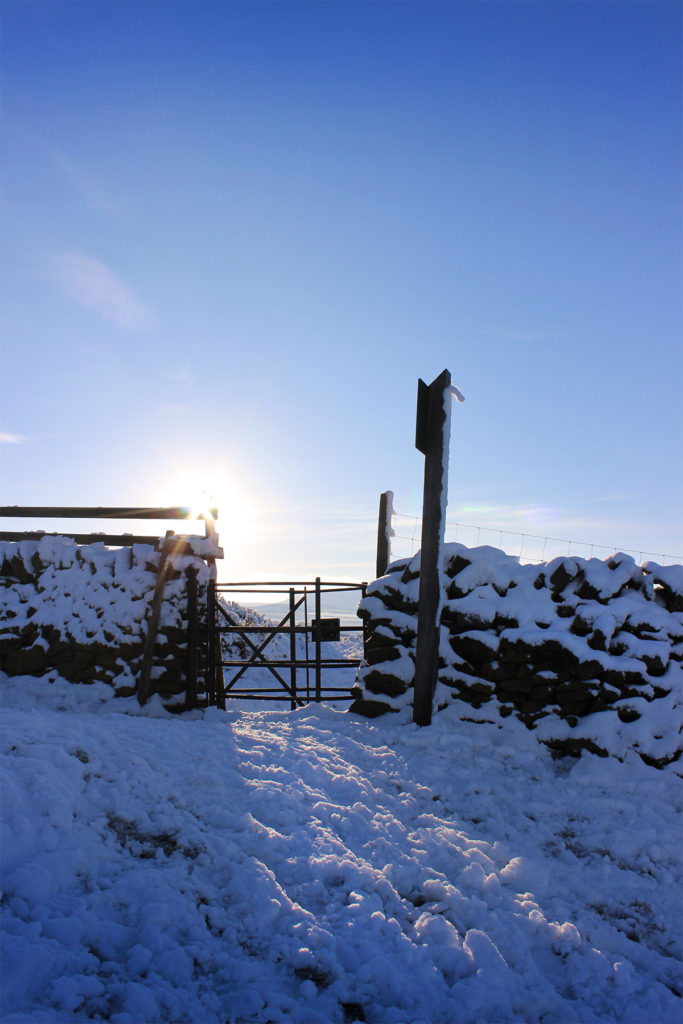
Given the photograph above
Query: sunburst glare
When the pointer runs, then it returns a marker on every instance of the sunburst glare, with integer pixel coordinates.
(211, 494)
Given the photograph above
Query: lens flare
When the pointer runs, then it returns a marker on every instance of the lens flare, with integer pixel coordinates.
(214, 498)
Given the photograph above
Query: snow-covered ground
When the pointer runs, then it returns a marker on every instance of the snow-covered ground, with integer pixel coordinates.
(313, 866)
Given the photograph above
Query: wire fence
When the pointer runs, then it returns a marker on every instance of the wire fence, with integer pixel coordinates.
(528, 547)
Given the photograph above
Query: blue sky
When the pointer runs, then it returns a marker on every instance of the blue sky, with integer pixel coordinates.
(235, 234)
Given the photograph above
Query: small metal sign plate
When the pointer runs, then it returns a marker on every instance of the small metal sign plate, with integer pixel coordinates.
(326, 629)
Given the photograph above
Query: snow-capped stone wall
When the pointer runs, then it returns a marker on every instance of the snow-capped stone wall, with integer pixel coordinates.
(83, 611)
(587, 651)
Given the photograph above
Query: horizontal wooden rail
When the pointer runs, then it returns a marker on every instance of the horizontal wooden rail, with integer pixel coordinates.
(100, 512)
(120, 540)
(174, 512)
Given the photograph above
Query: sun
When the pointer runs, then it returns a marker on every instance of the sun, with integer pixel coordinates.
(212, 494)
(204, 506)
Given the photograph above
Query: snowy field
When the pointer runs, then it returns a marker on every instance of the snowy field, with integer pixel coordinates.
(312, 866)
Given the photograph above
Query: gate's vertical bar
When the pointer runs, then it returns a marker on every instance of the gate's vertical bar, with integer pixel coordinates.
(292, 645)
(211, 642)
(308, 663)
(191, 687)
(217, 691)
(318, 673)
(219, 684)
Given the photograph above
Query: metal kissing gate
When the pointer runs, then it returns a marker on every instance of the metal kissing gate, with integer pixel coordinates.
(295, 672)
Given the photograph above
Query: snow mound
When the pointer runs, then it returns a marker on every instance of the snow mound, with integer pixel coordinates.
(589, 652)
(83, 609)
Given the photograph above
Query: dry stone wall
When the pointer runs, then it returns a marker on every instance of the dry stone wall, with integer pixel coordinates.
(82, 611)
(579, 648)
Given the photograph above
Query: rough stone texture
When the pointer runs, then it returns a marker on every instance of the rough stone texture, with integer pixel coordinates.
(567, 638)
(82, 611)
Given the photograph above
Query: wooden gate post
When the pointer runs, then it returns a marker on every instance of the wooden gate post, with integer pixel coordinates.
(432, 437)
(384, 532)
(144, 682)
(191, 686)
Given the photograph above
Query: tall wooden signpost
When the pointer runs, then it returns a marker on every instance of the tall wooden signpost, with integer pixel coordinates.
(432, 439)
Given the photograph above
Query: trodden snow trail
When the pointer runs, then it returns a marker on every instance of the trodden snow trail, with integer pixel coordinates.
(314, 867)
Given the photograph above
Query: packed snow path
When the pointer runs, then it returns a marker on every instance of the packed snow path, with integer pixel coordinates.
(311, 866)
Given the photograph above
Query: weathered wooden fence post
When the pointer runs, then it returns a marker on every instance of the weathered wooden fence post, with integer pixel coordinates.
(191, 688)
(432, 436)
(144, 682)
(384, 532)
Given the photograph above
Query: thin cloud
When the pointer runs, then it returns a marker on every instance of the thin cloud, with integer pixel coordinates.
(174, 409)
(93, 285)
(89, 189)
(12, 439)
(618, 496)
(179, 374)
(508, 514)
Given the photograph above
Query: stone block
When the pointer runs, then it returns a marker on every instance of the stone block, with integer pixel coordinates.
(384, 682)
(455, 565)
(561, 576)
(370, 708)
(628, 714)
(656, 664)
(26, 661)
(375, 655)
(476, 652)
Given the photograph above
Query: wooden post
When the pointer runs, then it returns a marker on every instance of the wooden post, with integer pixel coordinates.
(209, 519)
(144, 682)
(191, 687)
(215, 683)
(384, 532)
(431, 439)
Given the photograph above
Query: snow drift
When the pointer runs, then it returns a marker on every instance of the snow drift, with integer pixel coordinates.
(312, 867)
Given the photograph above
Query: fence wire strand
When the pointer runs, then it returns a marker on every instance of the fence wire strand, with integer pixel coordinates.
(413, 538)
